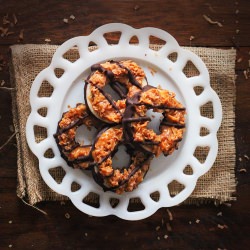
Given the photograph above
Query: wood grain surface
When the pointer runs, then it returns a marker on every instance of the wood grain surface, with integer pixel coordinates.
(192, 227)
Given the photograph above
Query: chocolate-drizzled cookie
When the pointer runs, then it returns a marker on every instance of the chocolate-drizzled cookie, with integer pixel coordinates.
(171, 126)
(76, 155)
(124, 77)
(118, 180)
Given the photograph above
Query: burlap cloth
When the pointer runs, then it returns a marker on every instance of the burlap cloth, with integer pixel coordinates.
(217, 185)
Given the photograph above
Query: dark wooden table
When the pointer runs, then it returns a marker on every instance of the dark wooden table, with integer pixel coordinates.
(22, 227)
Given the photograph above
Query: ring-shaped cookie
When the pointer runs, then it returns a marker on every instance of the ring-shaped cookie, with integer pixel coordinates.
(123, 179)
(171, 127)
(125, 78)
(76, 155)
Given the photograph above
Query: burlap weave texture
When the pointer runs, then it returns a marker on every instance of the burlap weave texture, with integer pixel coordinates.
(217, 185)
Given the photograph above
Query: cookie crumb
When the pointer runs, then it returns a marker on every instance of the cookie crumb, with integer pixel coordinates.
(10, 246)
(165, 236)
(86, 234)
(158, 238)
(67, 215)
(152, 71)
(190, 222)
(170, 215)
(242, 170)
(157, 228)
(246, 156)
(197, 221)
(66, 20)
(191, 38)
(137, 7)
(72, 17)
(245, 74)
(239, 60)
(219, 214)
(222, 226)
(47, 40)
(10, 221)
(21, 35)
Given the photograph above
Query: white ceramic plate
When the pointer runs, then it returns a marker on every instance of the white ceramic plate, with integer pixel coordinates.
(68, 90)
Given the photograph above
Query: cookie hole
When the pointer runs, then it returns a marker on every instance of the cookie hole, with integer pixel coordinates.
(198, 90)
(75, 186)
(188, 170)
(92, 199)
(114, 202)
(201, 153)
(156, 40)
(42, 111)
(45, 90)
(134, 40)
(175, 188)
(156, 118)
(72, 55)
(40, 133)
(59, 72)
(92, 46)
(155, 196)
(49, 153)
(207, 110)
(85, 135)
(204, 131)
(173, 57)
(57, 174)
(190, 70)
(112, 37)
(121, 158)
(135, 204)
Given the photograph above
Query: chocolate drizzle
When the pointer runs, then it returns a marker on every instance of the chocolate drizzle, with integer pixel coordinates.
(101, 180)
(131, 76)
(159, 106)
(135, 119)
(172, 124)
(116, 86)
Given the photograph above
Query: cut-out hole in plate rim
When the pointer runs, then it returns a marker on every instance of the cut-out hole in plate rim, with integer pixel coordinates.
(72, 55)
(86, 195)
(46, 89)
